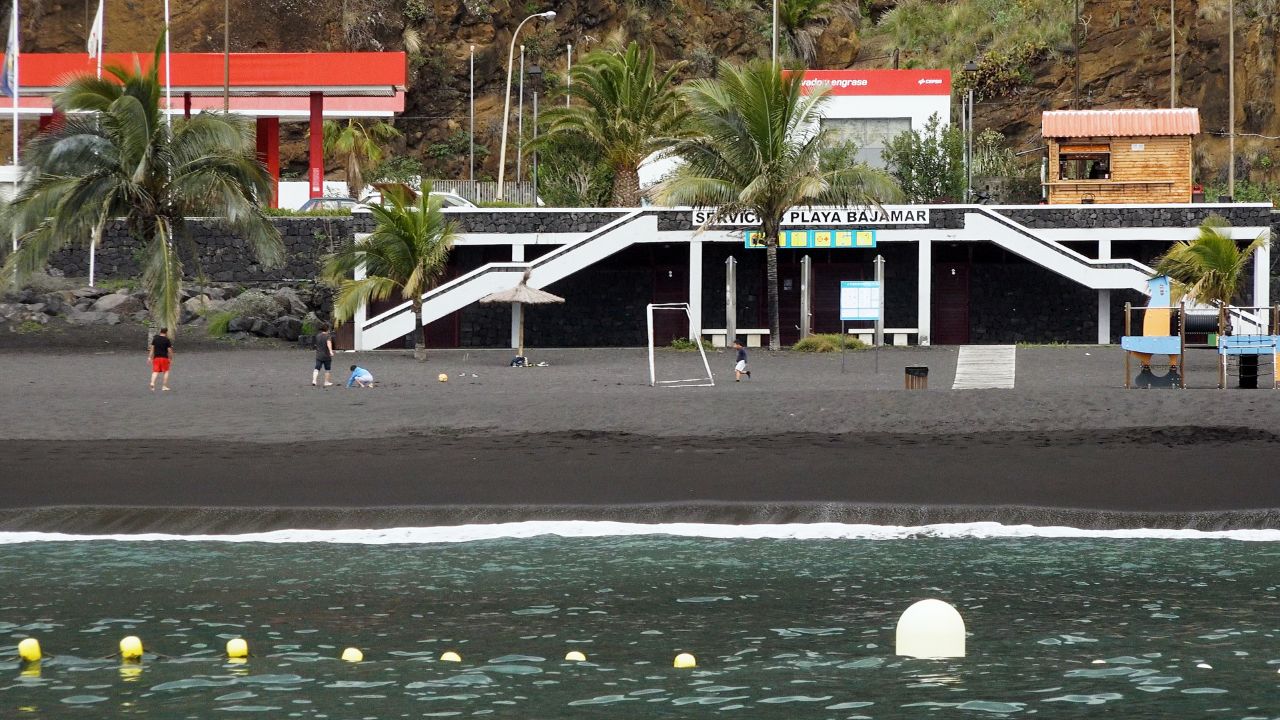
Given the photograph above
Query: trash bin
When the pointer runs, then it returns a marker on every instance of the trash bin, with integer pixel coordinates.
(917, 377)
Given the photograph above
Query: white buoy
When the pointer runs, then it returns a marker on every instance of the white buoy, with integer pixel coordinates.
(450, 656)
(685, 660)
(930, 629)
(574, 656)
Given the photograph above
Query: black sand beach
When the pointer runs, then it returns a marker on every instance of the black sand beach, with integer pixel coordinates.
(244, 443)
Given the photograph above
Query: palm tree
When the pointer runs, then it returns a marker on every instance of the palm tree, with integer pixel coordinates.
(113, 155)
(405, 254)
(625, 111)
(1209, 268)
(795, 17)
(359, 146)
(759, 149)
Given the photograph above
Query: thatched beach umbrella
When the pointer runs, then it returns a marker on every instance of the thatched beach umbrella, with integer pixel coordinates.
(524, 295)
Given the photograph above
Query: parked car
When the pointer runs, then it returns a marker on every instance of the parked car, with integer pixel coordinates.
(447, 200)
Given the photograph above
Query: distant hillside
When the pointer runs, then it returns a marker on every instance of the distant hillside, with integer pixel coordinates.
(1024, 49)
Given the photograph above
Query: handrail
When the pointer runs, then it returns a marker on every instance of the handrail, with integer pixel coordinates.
(509, 266)
(1111, 264)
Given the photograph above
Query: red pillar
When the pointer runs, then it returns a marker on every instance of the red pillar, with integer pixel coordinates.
(186, 105)
(315, 174)
(268, 137)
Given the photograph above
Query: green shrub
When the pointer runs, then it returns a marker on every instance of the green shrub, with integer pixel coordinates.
(688, 345)
(499, 204)
(827, 342)
(308, 328)
(219, 323)
(29, 327)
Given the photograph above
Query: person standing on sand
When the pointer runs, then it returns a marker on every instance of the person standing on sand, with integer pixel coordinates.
(160, 354)
(324, 355)
(740, 367)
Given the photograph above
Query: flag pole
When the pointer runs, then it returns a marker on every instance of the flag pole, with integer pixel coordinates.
(13, 48)
(168, 81)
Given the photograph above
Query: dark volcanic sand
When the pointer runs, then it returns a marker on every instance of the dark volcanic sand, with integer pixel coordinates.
(244, 443)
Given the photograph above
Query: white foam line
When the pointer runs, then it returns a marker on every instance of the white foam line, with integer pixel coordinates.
(582, 529)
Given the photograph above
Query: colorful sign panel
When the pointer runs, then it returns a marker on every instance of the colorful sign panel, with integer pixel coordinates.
(828, 239)
(859, 300)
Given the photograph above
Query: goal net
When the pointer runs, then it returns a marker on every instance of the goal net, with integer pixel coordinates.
(699, 376)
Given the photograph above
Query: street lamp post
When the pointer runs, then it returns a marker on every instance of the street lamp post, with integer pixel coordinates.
(970, 68)
(506, 100)
(775, 35)
(520, 123)
(535, 83)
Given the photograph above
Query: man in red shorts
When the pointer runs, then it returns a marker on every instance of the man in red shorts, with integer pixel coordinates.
(160, 354)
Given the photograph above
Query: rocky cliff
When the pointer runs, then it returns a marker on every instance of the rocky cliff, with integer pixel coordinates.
(1124, 56)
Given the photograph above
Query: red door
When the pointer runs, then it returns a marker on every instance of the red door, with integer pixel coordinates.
(670, 285)
(950, 303)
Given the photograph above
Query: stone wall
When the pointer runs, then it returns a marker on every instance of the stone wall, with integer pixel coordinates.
(1121, 217)
(212, 252)
(1018, 301)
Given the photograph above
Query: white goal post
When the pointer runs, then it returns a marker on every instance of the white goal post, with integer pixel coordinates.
(706, 381)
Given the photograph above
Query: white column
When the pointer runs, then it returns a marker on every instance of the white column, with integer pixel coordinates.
(1104, 299)
(924, 290)
(1262, 280)
(517, 310)
(695, 289)
(362, 312)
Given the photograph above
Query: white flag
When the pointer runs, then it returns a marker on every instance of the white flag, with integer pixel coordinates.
(95, 33)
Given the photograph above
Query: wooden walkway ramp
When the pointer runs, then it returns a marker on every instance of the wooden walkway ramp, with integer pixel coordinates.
(985, 366)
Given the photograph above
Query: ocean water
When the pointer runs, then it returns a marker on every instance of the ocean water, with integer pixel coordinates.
(1059, 627)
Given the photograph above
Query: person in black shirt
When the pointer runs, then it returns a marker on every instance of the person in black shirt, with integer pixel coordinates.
(324, 355)
(740, 367)
(160, 354)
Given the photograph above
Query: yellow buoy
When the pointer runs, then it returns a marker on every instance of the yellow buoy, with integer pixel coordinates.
(29, 650)
(237, 648)
(574, 656)
(685, 660)
(442, 377)
(131, 648)
(451, 656)
(352, 655)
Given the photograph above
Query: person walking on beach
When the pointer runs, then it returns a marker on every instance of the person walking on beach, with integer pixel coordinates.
(360, 377)
(740, 367)
(324, 355)
(160, 354)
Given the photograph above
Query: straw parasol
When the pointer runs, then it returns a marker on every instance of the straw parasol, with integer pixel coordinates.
(524, 295)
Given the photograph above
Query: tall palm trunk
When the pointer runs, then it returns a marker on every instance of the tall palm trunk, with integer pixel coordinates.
(419, 339)
(771, 279)
(626, 188)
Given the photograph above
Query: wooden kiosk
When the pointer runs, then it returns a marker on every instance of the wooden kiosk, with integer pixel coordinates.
(1119, 156)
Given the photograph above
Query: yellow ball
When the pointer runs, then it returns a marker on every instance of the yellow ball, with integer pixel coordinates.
(574, 656)
(131, 648)
(685, 660)
(237, 648)
(451, 656)
(352, 655)
(29, 650)
(442, 377)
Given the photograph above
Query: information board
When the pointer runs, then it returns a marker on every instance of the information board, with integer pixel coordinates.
(815, 239)
(859, 300)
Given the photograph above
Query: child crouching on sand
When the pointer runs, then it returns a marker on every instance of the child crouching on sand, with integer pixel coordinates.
(360, 377)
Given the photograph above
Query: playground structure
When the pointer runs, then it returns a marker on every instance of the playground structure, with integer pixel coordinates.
(1242, 336)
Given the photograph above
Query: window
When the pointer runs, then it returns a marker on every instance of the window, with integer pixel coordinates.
(871, 135)
(1084, 162)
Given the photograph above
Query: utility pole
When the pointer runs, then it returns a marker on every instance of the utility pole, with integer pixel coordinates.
(1173, 60)
(1231, 99)
(1077, 34)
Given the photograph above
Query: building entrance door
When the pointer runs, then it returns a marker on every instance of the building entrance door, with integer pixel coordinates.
(950, 307)
(670, 285)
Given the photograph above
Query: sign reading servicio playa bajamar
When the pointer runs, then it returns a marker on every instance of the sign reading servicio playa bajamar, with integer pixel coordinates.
(859, 215)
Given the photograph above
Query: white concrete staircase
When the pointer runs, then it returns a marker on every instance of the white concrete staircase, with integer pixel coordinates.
(1122, 274)
(636, 226)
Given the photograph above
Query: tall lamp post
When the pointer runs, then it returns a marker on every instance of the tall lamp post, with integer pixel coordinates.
(535, 84)
(1231, 100)
(970, 69)
(775, 35)
(506, 101)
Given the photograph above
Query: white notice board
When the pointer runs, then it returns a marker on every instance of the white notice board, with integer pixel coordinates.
(859, 300)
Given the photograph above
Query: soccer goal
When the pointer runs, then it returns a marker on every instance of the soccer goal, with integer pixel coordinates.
(707, 380)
